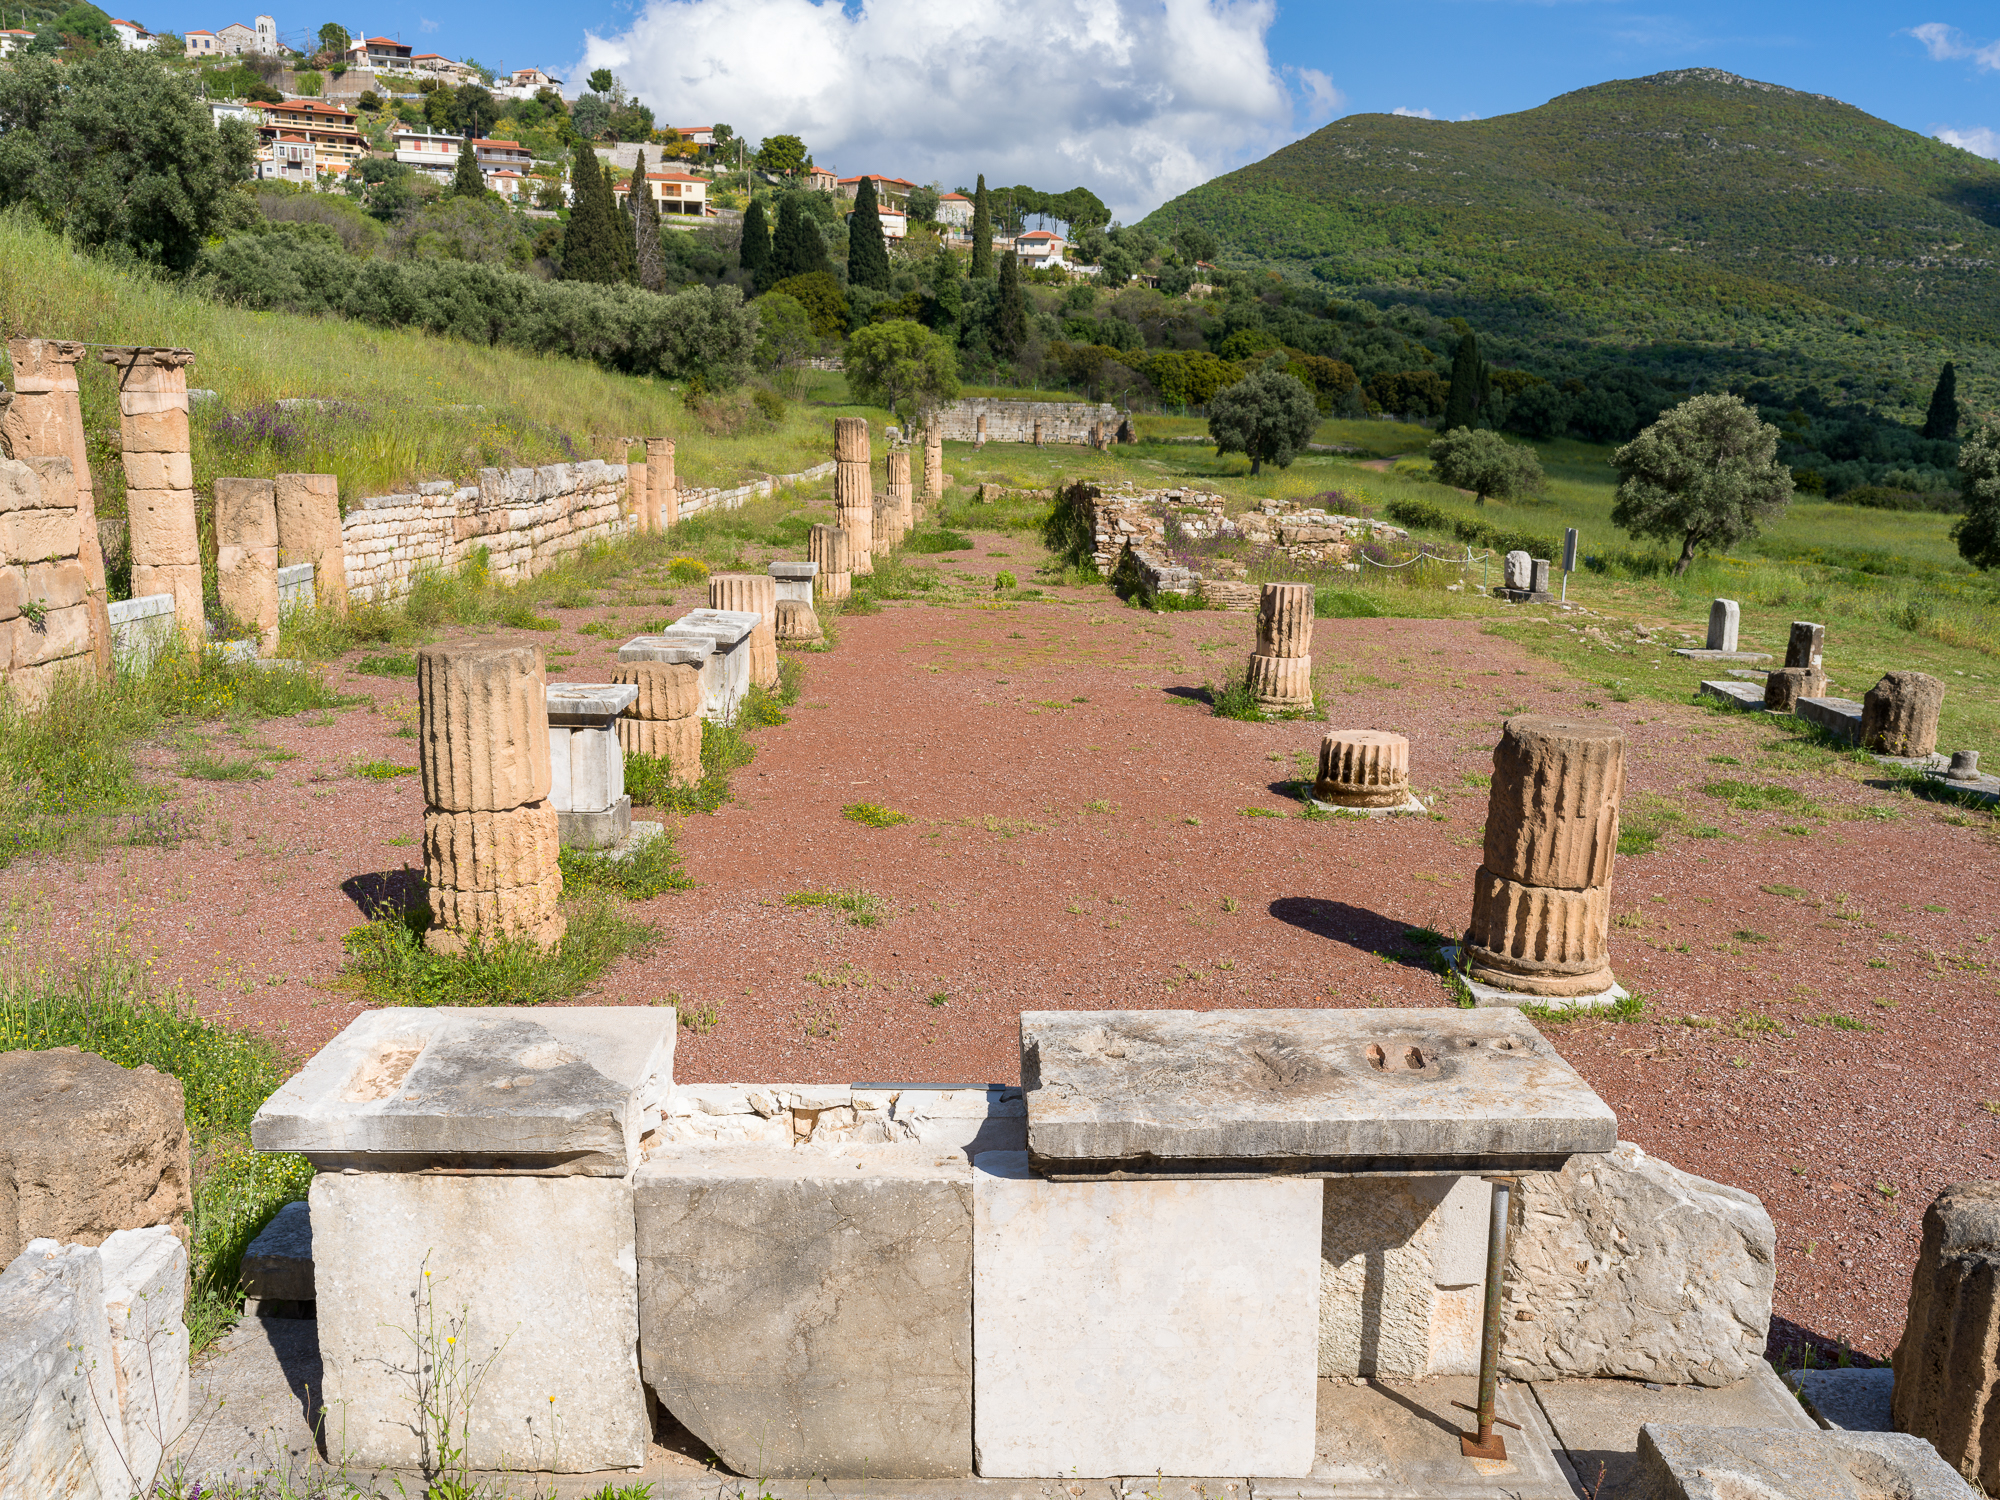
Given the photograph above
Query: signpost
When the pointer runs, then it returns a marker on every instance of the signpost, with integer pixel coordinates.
(1569, 559)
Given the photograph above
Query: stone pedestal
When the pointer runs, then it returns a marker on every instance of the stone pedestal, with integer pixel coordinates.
(1899, 715)
(664, 720)
(1724, 618)
(754, 594)
(854, 491)
(721, 638)
(1541, 899)
(663, 496)
(1806, 647)
(246, 556)
(45, 420)
(159, 479)
(827, 547)
(483, 749)
(933, 464)
(1785, 687)
(796, 620)
(1280, 673)
(587, 763)
(1364, 769)
(309, 532)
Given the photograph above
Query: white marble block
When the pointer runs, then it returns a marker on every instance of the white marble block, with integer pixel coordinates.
(1136, 1327)
(145, 1280)
(1725, 616)
(795, 580)
(534, 1283)
(586, 769)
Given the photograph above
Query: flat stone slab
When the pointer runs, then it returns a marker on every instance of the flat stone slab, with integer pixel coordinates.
(807, 570)
(805, 1313)
(725, 625)
(1978, 787)
(1412, 804)
(661, 648)
(1301, 1091)
(1762, 1463)
(1697, 653)
(1840, 716)
(1169, 1327)
(589, 702)
(1735, 694)
(565, 1090)
(1484, 994)
(278, 1266)
(1851, 1400)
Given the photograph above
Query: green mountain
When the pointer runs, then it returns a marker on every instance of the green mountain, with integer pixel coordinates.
(1694, 219)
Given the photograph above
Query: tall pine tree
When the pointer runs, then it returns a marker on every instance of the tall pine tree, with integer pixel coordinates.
(592, 240)
(1941, 421)
(982, 233)
(798, 249)
(1011, 330)
(1469, 382)
(649, 259)
(867, 255)
(754, 254)
(468, 181)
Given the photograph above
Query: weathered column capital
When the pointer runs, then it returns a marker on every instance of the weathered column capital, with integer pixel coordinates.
(147, 369)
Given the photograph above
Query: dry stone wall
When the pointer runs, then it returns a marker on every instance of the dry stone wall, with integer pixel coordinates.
(990, 419)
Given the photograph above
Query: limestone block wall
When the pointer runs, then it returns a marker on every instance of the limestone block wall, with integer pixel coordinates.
(528, 520)
(1018, 421)
(45, 600)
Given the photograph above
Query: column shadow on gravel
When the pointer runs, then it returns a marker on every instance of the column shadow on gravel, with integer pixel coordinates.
(386, 893)
(1358, 927)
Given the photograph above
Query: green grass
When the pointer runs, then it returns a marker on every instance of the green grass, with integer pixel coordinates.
(402, 664)
(646, 872)
(1748, 796)
(937, 540)
(105, 1005)
(873, 815)
(383, 770)
(861, 908)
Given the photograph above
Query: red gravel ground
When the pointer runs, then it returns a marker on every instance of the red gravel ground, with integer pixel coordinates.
(1085, 835)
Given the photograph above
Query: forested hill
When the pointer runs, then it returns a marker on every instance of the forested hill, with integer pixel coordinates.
(1691, 208)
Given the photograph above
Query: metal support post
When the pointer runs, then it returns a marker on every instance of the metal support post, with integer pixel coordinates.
(1487, 1443)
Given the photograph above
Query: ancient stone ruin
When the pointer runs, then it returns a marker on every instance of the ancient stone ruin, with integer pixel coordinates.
(45, 420)
(1541, 901)
(1281, 667)
(490, 831)
(1899, 716)
(796, 620)
(47, 609)
(246, 556)
(854, 491)
(587, 763)
(828, 550)
(662, 487)
(159, 479)
(1364, 771)
(664, 719)
(752, 594)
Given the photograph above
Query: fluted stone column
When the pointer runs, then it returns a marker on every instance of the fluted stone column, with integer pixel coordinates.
(309, 530)
(45, 420)
(490, 831)
(854, 491)
(1363, 768)
(159, 479)
(663, 505)
(796, 619)
(1541, 912)
(1281, 669)
(902, 493)
(665, 721)
(933, 464)
(828, 547)
(246, 556)
(752, 593)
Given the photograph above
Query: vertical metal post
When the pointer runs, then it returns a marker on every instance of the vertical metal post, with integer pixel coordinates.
(1487, 1443)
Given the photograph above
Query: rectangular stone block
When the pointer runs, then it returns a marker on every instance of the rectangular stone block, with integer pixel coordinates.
(589, 702)
(162, 527)
(247, 588)
(567, 1090)
(841, 1287)
(32, 536)
(62, 635)
(309, 530)
(57, 585)
(140, 626)
(1806, 646)
(246, 512)
(534, 1282)
(1143, 1327)
(1839, 716)
(59, 1430)
(1724, 618)
(161, 471)
(1729, 1463)
(795, 580)
(1345, 1090)
(150, 432)
(586, 769)
(145, 1280)
(278, 1266)
(596, 828)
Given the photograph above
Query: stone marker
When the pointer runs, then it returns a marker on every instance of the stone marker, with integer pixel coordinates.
(1964, 766)
(796, 621)
(827, 547)
(1364, 768)
(159, 479)
(1724, 618)
(1947, 1381)
(246, 556)
(534, 1281)
(1517, 571)
(1899, 715)
(489, 828)
(754, 594)
(45, 420)
(1289, 1090)
(277, 1272)
(309, 532)
(1541, 900)
(854, 490)
(664, 720)
(565, 1091)
(1785, 687)
(1540, 576)
(841, 1285)
(1143, 1327)
(933, 463)
(1766, 1463)
(1806, 646)
(663, 494)
(1281, 668)
(87, 1148)
(587, 763)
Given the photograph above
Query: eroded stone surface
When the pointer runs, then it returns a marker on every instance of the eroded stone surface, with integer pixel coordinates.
(841, 1289)
(1285, 620)
(666, 690)
(1396, 1301)
(1784, 688)
(483, 727)
(1363, 768)
(1143, 1327)
(1538, 939)
(569, 1089)
(145, 1278)
(1552, 815)
(1432, 1086)
(1946, 1373)
(1806, 646)
(1764, 1463)
(279, 1263)
(1282, 682)
(490, 851)
(1725, 616)
(1899, 715)
(58, 1378)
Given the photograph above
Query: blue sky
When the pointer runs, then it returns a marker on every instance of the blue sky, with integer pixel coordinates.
(1141, 99)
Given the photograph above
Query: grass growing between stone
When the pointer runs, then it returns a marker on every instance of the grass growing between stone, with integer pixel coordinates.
(861, 908)
(105, 1005)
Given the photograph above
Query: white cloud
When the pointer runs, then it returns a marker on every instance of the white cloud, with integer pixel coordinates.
(1980, 140)
(1945, 43)
(1414, 114)
(1137, 101)
(427, 25)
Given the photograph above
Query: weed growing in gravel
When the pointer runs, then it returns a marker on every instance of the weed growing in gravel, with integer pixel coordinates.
(1752, 796)
(1837, 1021)
(873, 815)
(1261, 812)
(403, 664)
(1627, 1009)
(701, 1019)
(654, 867)
(201, 763)
(1235, 700)
(1797, 892)
(862, 908)
(820, 1022)
(383, 770)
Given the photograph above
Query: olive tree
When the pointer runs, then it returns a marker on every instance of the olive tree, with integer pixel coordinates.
(902, 365)
(1978, 531)
(1267, 416)
(1706, 475)
(1486, 463)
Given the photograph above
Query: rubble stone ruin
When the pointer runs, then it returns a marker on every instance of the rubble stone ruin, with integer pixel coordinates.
(829, 549)
(796, 620)
(246, 556)
(1364, 769)
(1541, 901)
(490, 830)
(1899, 715)
(45, 420)
(753, 594)
(854, 491)
(1281, 668)
(159, 479)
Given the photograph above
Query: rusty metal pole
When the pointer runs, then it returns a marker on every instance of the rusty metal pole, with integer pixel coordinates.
(1487, 1443)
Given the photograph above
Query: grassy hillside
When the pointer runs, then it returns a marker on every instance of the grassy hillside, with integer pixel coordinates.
(1693, 216)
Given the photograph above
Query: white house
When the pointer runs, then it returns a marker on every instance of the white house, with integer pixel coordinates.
(200, 44)
(290, 158)
(131, 35)
(13, 41)
(954, 208)
(503, 164)
(233, 109)
(525, 83)
(675, 194)
(439, 66)
(1039, 249)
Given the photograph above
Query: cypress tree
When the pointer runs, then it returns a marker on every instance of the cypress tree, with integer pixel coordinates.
(621, 228)
(648, 258)
(468, 181)
(1941, 421)
(754, 254)
(797, 249)
(591, 240)
(867, 255)
(982, 233)
(1468, 377)
(1012, 330)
